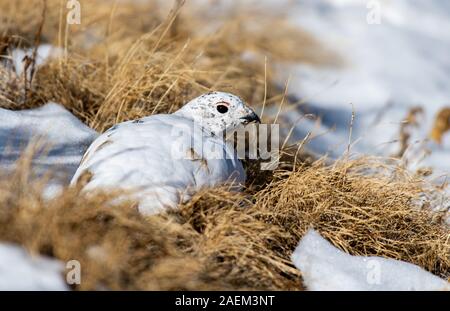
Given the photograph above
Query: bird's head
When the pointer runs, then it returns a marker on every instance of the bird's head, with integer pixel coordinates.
(219, 112)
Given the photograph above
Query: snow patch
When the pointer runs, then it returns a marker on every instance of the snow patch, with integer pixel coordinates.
(66, 136)
(43, 53)
(387, 69)
(325, 267)
(20, 271)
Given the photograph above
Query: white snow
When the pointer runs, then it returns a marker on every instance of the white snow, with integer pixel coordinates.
(66, 136)
(43, 53)
(325, 267)
(52, 121)
(404, 62)
(386, 69)
(20, 271)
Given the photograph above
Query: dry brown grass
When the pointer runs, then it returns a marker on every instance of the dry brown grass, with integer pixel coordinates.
(364, 207)
(441, 125)
(216, 241)
(146, 61)
(222, 240)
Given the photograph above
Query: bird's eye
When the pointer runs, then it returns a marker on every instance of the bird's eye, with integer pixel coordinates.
(222, 108)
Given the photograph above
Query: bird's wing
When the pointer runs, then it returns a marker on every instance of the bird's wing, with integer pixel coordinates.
(136, 153)
(158, 156)
(217, 164)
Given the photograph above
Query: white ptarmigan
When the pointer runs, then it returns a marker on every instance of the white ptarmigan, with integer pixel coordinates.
(163, 159)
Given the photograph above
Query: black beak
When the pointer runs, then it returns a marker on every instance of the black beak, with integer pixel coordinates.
(252, 117)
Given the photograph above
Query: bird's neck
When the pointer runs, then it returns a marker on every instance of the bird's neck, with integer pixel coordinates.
(199, 121)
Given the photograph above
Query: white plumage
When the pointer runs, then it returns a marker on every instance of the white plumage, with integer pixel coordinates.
(164, 159)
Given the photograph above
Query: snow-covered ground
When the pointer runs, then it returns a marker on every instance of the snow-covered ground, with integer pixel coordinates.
(43, 53)
(62, 140)
(21, 271)
(325, 267)
(386, 69)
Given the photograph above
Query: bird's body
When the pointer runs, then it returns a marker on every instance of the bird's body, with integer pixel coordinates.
(162, 159)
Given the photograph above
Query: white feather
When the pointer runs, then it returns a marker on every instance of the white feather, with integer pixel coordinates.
(163, 159)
